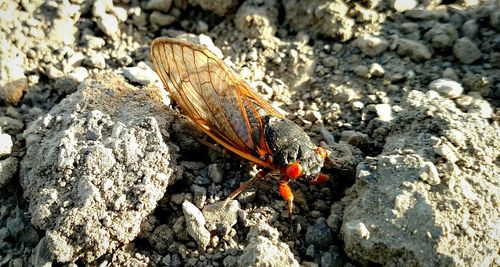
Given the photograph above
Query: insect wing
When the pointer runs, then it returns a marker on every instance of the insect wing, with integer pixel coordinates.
(213, 97)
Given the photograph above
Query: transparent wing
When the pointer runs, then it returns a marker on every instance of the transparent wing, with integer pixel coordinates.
(212, 96)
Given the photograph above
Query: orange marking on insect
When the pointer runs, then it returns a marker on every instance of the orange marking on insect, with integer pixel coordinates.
(322, 152)
(294, 170)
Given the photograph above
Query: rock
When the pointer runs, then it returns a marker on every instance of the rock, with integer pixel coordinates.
(79, 74)
(319, 235)
(441, 36)
(354, 138)
(160, 19)
(450, 73)
(362, 71)
(161, 238)
(195, 223)
(429, 173)
(219, 7)
(5, 144)
(319, 17)
(97, 60)
(262, 251)
(466, 51)
(495, 19)
(416, 51)
(470, 29)
(108, 24)
(141, 74)
(216, 173)
(159, 5)
(330, 61)
(108, 16)
(331, 258)
(93, 42)
(8, 167)
(41, 255)
(63, 30)
(13, 82)
(482, 107)
(447, 88)
(384, 111)
(221, 215)
(403, 5)
(263, 229)
(88, 138)
(257, 21)
(199, 195)
(397, 183)
(376, 70)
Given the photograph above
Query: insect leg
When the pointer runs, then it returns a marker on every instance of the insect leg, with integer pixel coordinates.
(287, 195)
(322, 178)
(261, 174)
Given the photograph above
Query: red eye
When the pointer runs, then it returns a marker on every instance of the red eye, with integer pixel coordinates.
(321, 151)
(293, 170)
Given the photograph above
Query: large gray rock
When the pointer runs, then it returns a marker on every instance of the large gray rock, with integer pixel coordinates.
(430, 198)
(95, 166)
(320, 17)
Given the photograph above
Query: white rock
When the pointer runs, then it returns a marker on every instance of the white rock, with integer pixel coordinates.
(384, 111)
(377, 70)
(79, 74)
(5, 144)
(403, 5)
(447, 88)
(97, 61)
(371, 45)
(195, 223)
(108, 24)
(429, 173)
(142, 74)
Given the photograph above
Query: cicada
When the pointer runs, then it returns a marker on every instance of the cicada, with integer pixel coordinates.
(224, 106)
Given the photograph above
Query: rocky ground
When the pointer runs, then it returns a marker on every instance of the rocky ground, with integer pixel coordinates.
(98, 167)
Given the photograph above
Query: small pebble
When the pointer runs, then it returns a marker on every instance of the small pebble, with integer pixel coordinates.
(141, 74)
(377, 70)
(429, 173)
(413, 49)
(108, 24)
(5, 144)
(358, 228)
(466, 51)
(195, 223)
(403, 5)
(159, 5)
(216, 173)
(79, 74)
(160, 19)
(362, 71)
(8, 167)
(97, 61)
(371, 45)
(447, 88)
(199, 195)
(384, 111)
(319, 234)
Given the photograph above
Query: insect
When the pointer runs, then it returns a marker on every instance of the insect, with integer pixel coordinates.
(224, 106)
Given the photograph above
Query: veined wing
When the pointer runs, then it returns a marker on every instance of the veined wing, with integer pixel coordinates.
(213, 97)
